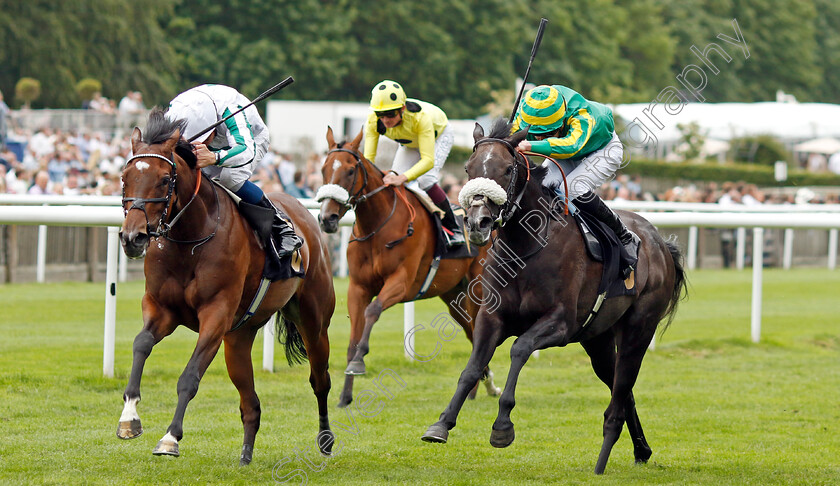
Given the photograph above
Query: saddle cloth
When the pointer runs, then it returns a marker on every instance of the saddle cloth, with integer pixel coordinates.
(603, 245)
(466, 250)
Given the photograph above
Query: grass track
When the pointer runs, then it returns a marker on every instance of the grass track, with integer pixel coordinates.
(716, 408)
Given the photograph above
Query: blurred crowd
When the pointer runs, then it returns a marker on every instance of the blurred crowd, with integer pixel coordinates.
(68, 163)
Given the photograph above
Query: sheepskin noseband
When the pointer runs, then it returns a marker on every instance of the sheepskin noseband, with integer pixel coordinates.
(481, 186)
(333, 191)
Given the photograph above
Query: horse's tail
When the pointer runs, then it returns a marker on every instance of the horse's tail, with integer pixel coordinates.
(290, 338)
(680, 290)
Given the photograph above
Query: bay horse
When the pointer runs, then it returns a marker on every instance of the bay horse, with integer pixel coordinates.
(555, 286)
(390, 254)
(203, 270)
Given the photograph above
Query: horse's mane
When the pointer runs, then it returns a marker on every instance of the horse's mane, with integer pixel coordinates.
(500, 129)
(159, 129)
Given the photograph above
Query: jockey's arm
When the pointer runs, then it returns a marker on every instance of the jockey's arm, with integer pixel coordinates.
(580, 125)
(371, 140)
(426, 146)
(242, 147)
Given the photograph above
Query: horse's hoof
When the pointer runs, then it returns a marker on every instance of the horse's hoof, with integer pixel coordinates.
(342, 402)
(502, 438)
(642, 455)
(166, 447)
(129, 429)
(355, 368)
(246, 456)
(493, 391)
(436, 433)
(326, 439)
(471, 395)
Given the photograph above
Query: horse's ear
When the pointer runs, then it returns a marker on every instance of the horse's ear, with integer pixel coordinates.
(136, 137)
(169, 145)
(478, 132)
(357, 141)
(519, 136)
(330, 138)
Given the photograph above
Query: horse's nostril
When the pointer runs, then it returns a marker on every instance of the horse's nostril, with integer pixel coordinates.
(485, 222)
(141, 239)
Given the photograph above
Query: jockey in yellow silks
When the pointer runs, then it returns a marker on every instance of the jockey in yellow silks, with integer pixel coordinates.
(425, 139)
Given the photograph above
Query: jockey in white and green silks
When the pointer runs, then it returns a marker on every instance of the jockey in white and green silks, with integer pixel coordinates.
(230, 153)
(580, 133)
(425, 139)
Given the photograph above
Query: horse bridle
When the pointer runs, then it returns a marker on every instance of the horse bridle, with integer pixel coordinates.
(358, 198)
(165, 226)
(511, 202)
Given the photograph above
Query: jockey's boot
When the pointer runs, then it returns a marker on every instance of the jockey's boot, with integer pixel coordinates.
(282, 240)
(592, 204)
(454, 235)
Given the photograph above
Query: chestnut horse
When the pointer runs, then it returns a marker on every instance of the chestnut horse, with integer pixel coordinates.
(390, 255)
(203, 270)
(549, 300)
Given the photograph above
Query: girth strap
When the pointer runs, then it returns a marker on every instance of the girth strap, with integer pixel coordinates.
(255, 304)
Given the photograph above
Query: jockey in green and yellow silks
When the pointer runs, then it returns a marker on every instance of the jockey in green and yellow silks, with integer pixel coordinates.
(425, 137)
(564, 125)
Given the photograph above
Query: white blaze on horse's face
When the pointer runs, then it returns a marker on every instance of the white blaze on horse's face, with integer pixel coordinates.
(141, 166)
(336, 164)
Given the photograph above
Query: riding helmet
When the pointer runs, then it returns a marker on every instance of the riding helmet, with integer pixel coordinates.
(387, 95)
(542, 109)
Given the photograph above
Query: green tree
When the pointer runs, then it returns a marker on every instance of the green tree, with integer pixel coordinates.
(116, 41)
(253, 44)
(828, 50)
(782, 43)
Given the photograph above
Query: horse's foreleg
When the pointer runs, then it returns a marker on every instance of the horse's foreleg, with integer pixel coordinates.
(548, 331)
(158, 324)
(631, 347)
(358, 299)
(487, 336)
(214, 323)
(238, 347)
(464, 310)
(392, 292)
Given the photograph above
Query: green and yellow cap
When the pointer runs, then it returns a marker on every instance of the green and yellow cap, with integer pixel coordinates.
(542, 109)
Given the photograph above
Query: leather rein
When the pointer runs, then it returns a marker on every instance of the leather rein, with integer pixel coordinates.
(358, 198)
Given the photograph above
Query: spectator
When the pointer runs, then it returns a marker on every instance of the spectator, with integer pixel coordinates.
(299, 189)
(4, 112)
(41, 185)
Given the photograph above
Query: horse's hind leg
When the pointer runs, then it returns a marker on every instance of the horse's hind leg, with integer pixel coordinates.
(313, 320)
(601, 351)
(238, 347)
(632, 337)
(158, 324)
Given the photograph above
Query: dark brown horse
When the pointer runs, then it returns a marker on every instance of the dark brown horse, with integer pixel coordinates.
(386, 259)
(548, 300)
(203, 269)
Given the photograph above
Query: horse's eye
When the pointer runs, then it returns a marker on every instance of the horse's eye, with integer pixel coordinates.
(164, 181)
(351, 171)
(509, 170)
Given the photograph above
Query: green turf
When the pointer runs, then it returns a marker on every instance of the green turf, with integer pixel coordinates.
(716, 408)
